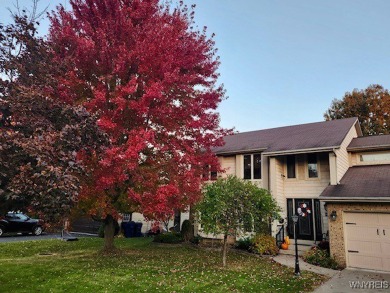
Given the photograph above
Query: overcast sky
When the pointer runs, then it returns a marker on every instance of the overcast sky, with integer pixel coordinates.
(284, 61)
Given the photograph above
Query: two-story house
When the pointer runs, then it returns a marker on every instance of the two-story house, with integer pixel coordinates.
(337, 181)
(321, 170)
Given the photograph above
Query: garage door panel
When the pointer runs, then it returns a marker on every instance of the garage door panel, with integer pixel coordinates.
(367, 240)
(386, 264)
(384, 220)
(365, 247)
(356, 232)
(362, 219)
(385, 248)
(361, 261)
(385, 234)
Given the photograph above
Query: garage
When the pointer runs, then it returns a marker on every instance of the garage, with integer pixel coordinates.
(367, 240)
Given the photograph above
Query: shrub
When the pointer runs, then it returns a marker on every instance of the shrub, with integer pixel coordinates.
(264, 245)
(101, 229)
(171, 237)
(196, 239)
(324, 245)
(244, 243)
(320, 257)
(186, 230)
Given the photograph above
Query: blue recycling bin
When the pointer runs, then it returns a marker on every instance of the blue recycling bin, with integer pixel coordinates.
(128, 229)
(137, 230)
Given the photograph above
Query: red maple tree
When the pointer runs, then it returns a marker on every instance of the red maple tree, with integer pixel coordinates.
(151, 77)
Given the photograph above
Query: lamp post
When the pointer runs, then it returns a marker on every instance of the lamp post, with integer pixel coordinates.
(297, 270)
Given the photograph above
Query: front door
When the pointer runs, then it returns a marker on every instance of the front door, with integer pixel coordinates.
(304, 210)
(307, 214)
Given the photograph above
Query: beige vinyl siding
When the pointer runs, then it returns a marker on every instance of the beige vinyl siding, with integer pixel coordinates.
(276, 166)
(333, 168)
(354, 159)
(265, 172)
(304, 187)
(228, 164)
(276, 181)
(342, 155)
(240, 166)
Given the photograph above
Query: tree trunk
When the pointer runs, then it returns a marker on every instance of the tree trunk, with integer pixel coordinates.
(109, 232)
(224, 250)
(192, 221)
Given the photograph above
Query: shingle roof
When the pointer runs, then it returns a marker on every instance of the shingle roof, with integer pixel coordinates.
(326, 134)
(370, 142)
(361, 182)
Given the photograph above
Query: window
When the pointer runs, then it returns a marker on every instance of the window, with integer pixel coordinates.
(291, 166)
(247, 167)
(213, 175)
(252, 166)
(209, 173)
(312, 165)
(375, 157)
(257, 166)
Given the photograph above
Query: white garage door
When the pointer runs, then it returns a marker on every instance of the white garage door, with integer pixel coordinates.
(367, 239)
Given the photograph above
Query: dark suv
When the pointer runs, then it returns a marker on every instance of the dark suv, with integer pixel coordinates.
(15, 222)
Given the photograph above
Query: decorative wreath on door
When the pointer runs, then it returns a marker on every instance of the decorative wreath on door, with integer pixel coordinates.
(303, 210)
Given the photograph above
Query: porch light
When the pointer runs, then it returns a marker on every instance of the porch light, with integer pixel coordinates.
(333, 215)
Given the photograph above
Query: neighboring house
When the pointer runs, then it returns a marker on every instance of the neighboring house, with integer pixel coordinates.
(321, 169)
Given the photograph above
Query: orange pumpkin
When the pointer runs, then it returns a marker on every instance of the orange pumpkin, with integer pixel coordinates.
(284, 246)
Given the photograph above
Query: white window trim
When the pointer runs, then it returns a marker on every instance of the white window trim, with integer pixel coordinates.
(379, 162)
(252, 167)
(307, 168)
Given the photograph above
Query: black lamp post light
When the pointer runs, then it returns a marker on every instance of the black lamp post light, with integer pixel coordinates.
(297, 270)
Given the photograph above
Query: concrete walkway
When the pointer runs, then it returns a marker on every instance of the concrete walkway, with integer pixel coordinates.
(348, 280)
(289, 260)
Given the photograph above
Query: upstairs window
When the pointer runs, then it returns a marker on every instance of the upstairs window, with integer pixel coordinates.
(257, 166)
(291, 166)
(375, 157)
(247, 166)
(312, 165)
(252, 166)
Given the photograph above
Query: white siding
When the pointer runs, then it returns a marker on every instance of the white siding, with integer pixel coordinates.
(228, 164)
(240, 166)
(354, 159)
(342, 155)
(304, 187)
(146, 225)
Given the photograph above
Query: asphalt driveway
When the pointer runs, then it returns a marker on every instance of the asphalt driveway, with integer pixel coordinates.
(351, 280)
(19, 237)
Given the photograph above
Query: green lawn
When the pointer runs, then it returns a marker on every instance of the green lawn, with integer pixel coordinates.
(140, 266)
